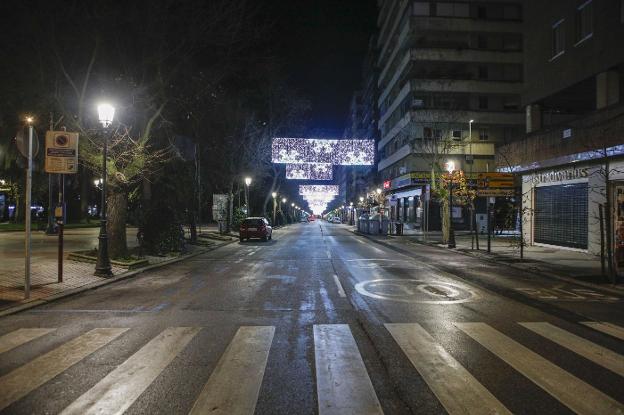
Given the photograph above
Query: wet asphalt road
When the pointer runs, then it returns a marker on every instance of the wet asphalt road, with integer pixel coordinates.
(319, 301)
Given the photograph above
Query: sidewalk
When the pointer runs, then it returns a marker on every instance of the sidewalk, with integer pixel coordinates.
(77, 276)
(561, 264)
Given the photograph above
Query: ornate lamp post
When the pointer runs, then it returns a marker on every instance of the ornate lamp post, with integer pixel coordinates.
(450, 166)
(106, 112)
(247, 183)
(274, 206)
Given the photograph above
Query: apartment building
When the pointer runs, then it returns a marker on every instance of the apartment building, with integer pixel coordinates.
(449, 90)
(572, 156)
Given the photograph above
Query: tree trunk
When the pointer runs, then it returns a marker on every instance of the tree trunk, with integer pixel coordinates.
(117, 204)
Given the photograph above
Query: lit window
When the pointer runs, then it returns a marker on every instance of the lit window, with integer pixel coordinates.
(483, 135)
(558, 38)
(584, 23)
(457, 134)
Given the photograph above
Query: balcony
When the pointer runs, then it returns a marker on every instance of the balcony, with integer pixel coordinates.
(465, 55)
(459, 116)
(468, 86)
(548, 147)
(449, 24)
(398, 155)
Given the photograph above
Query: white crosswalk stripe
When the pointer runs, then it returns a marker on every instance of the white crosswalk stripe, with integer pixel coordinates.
(607, 328)
(120, 388)
(342, 382)
(597, 354)
(234, 385)
(568, 389)
(18, 337)
(456, 389)
(30, 376)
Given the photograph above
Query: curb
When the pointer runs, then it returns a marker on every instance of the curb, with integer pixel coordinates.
(541, 273)
(97, 284)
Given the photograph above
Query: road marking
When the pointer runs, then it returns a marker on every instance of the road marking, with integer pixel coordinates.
(327, 253)
(590, 351)
(607, 328)
(342, 383)
(234, 385)
(18, 337)
(121, 387)
(26, 378)
(565, 387)
(456, 389)
(341, 291)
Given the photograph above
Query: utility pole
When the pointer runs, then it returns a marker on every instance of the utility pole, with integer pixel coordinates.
(27, 243)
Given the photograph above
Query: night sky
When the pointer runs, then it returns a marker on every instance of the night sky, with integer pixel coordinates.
(321, 44)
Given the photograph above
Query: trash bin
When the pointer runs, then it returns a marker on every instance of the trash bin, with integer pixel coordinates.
(373, 226)
(384, 226)
(398, 228)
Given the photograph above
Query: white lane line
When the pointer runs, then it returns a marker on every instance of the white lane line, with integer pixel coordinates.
(121, 387)
(341, 291)
(456, 389)
(577, 395)
(591, 351)
(342, 383)
(26, 378)
(234, 385)
(606, 328)
(328, 253)
(18, 337)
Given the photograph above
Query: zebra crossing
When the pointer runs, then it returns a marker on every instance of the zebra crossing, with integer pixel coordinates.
(343, 383)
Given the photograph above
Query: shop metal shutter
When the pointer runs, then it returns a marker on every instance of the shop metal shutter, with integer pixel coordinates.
(561, 215)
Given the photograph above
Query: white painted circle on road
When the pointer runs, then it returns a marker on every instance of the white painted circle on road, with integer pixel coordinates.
(416, 291)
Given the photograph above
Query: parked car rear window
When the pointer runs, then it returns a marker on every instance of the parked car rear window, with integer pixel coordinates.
(253, 222)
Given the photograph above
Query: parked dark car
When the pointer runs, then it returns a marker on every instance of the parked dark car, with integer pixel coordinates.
(255, 228)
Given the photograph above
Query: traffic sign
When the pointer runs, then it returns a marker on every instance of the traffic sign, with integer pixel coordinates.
(495, 180)
(21, 139)
(493, 192)
(61, 154)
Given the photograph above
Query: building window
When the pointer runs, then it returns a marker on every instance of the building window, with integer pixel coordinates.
(511, 12)
(558, 39)
(483, 72)
(584, 21)
(420, 8)
(457, 135)
(481, 12)
(452, 10)
(481, 42)
(483, 103)
(483, 134)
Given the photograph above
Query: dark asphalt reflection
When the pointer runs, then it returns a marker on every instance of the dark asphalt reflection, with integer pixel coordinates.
(250, 311)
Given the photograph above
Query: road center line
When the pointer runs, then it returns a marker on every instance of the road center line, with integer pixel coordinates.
(234, 385)
(577, 395)
(342, 382)
(35, 373)
(18, 337)
(456, 389)
(121, 387)
(341, 291)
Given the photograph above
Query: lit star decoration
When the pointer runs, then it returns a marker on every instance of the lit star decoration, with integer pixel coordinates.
(309, 171)
(318, 196)
(314, 150)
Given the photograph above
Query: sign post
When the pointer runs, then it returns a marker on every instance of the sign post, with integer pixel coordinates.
(61, 157)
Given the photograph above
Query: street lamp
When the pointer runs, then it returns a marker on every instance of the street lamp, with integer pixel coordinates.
(106, 112)
(450, 166)
(274, 206)
(247, 183)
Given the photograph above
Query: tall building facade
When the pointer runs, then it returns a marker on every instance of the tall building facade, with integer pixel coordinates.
(571, 157)
(449, 90)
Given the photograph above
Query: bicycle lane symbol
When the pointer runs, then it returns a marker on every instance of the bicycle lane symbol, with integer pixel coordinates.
(416, 291)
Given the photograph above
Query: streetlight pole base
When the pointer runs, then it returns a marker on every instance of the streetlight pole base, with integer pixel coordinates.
(451, 241)
(103, 266)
